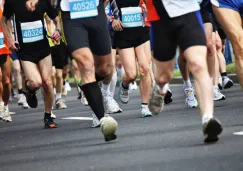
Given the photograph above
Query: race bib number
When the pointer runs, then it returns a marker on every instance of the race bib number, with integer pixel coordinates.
(32, 31)
(132, 17)
(107, 8)
(2, 44)
(83, 8)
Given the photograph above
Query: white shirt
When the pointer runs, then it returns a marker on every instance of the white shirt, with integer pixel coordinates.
(177, 8)
(65, 5)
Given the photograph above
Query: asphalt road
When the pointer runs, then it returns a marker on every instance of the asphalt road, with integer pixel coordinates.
(170, 141)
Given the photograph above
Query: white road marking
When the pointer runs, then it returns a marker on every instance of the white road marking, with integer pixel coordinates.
(238, 133)
(80, 118)
(12, 113)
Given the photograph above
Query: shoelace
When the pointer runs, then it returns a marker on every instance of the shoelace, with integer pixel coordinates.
(145, 110)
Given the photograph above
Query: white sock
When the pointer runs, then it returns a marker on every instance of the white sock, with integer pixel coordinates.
(206, 117)
(2, 104)
(164, 89)
(187, 83)
(113, 84)
(58, 96)
(6, 108)
(105, 87)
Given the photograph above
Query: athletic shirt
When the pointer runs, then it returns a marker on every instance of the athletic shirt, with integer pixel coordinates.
(152, 14)
(206, 5)
(129, 33)
(30, 25)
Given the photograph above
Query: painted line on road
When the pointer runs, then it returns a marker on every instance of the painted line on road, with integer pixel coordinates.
(12, 113)
(238, 133)
(79, 118)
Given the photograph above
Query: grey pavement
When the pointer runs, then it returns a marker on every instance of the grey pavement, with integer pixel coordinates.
(170, 141)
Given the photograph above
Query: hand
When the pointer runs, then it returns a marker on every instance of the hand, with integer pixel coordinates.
(31, 4)
(56, 36)
(14, 45)
(117, 25)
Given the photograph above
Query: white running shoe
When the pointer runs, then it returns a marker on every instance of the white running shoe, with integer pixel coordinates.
(67, 85)
(25, 105)
(110, 103)
(133, 86)
(123, 94)
(190, 101)
(108, 127)
(53, 116)
(96, 122)
(220, 84)
(7, 117)
(145, 111)
(1, 112)
(64, 91)
(21, 99)
(217, 95)
(60, 104)
(227, 83)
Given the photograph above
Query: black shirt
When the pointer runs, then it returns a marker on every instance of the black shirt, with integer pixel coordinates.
(22, 15)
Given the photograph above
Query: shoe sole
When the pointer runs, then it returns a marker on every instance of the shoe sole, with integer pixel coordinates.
(109, 112)
(50, 126)
(212, 131)
(110, 137)
(223, 98)
(228, 85)
(146, 116)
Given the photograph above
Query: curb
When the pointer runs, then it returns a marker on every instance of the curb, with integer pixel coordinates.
(178, 80)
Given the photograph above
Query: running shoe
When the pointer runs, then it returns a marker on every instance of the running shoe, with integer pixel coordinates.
(95, 122)
(217, 95)
(123, 94)
(79, 96)
(108, 127)
(156, 101)
(84, 101)
(211, 130)
(220, 84)
(168, 97)
(6, 116)
(145, 111)
(49, 123)
(21, 99)
(60, 104)
(112, 106)
(64, 91)
(31, 97)
(227, 83)
(191, 100)
(1, 112)
(133, 86)
(25, 105)
(53, 116)
(67, 85)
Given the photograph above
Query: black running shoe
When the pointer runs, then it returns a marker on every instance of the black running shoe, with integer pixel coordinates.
(211, 130)
(31, 97)
(168, 97)
(49, 123)
(79, 96)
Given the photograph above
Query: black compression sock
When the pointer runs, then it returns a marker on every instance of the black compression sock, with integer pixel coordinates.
(93, 95)
(20, 91)
(47, 115)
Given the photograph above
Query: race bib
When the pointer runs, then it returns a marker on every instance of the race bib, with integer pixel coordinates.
(83, 8)
(107, 8)
(132, 17)
(32, 31)
(2, 44)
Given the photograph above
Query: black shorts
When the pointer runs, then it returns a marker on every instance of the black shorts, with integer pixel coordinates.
(3, 59)
(34, 57)
(208, 18)
(59, 55)
(131, 37)
(168, 33)
(90, 32)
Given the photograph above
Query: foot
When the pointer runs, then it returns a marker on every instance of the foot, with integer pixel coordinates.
(60, 104)
(133, 86)
(79, 96)
(211, 130)
(108, 127)
(123, 94)
(31, 97)
(110, 103)
(53, 116)
(64, 91)
(25, 105)
(190, 101)
(67, 86)
(217, 95)
(168, 97)
(48, 122)
(156, 101)
(95, 122)
(1, 112)
(7, 117)
(21, 99)
(84, 100)
(145, 111)
(227, 83)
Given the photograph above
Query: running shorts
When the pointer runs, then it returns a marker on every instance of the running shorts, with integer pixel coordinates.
(14, 56)
(131, 37)
(208, 18)
(168, 32)
(3, 59)
(59, 55)
(236, 5)
(90, 32)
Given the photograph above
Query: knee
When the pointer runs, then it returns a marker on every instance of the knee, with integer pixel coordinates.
(163, 79)
(105, 69)
(17, 69)
(210, 47)
(144, 70)
(85, 62)
(59, 75)
(237, 43)
(6, 81)
(35, 83)
(197, 66)
(219, 45)
(47, 82)
(131, 76)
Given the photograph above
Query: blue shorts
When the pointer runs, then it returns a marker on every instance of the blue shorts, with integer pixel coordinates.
(14, 56)
(236, 5)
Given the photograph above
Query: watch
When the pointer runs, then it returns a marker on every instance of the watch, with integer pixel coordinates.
(111, 19)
